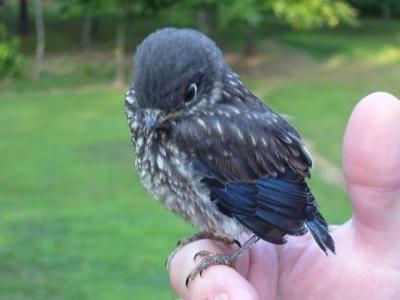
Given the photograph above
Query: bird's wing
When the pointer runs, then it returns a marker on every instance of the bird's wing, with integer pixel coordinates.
(242, 143)
(254, 164)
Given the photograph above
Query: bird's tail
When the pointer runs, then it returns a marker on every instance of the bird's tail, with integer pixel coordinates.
(320, 232)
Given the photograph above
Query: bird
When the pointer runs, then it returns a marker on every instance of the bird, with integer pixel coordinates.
(213, 153)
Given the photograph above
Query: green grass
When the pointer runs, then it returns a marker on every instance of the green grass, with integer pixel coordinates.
(364, 41)
(75, 223)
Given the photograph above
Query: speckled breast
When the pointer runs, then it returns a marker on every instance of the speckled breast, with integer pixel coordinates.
(164, 172)
(168, 176)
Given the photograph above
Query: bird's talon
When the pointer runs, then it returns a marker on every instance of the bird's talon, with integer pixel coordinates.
(235, 241)
(195, 256)
(209, 259)
(202, 253)
(187, 281)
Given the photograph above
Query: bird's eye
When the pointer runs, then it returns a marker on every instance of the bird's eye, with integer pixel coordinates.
(191, 93)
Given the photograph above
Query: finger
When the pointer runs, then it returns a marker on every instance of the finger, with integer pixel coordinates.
(263, 269)
(216, 280)
(371, 158)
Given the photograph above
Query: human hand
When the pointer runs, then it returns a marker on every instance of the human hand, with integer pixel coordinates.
(367, 260)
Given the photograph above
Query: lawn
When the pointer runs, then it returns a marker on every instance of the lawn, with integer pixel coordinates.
(75, 223)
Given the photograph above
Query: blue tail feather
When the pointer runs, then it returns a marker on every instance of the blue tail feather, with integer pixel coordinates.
(320, 232)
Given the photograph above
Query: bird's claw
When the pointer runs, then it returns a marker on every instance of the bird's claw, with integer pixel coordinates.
(209, 259)
(202, 253)
(200, 235)
(235, 241)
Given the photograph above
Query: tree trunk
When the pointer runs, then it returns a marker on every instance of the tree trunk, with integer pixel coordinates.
(23, 22)
(207, 19)
(87, 29)
(212, 14)
(250, 46)
(120, 54)
(201, 19)
(40, 38)
(386, 11)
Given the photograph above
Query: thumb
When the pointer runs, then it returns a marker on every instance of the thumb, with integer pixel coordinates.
(371, 158)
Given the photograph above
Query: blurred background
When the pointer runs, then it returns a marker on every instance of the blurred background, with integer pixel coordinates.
(75, 223)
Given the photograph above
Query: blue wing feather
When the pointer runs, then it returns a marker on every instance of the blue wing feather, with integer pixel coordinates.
(271, 207)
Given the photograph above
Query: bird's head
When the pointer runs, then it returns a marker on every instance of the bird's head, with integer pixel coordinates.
(175, 69)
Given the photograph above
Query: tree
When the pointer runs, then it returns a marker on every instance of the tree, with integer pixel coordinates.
(300, 14)
(383, 8)
(10, 56)
(206, 14)
(40, 38)
(87, 29)
(89, 9)
(206, 17)
(249, 13)
(126, 12)
(311, 14)
(23, 21)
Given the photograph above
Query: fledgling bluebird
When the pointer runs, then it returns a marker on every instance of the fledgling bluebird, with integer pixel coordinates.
(212, 152)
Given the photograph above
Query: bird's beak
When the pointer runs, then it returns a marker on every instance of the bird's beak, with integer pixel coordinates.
(150, 123)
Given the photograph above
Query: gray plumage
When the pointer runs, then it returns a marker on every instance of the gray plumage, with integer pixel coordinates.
(210, 150)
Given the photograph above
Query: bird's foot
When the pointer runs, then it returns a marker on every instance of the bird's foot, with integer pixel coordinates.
(199, 236)
(210, 259)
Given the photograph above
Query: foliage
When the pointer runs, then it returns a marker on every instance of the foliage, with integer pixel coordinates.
(112, 8)
(213, 15)
(374, 7)
(301, 14)
(247, 11)
(92, 7)
(249, 14)
(308, 14)
(10, 57)
(128, 8)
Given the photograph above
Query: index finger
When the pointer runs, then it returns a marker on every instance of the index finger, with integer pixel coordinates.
(216, 280)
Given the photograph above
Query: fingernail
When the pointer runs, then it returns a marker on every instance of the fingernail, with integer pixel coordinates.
(222, 296)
